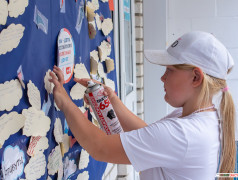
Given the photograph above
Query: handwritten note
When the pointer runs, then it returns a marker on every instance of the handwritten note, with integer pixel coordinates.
(10, 124)
(54, 160)
(17, 7)
(34, 95)
(37, 145)
(3, 12)
(10, 94)
(36, 124)
(84, 159)
(10, 38)
(36, 167)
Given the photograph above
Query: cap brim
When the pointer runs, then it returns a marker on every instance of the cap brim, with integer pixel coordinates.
(160, 57)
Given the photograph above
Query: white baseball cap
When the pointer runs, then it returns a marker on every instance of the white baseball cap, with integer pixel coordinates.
(196, 48)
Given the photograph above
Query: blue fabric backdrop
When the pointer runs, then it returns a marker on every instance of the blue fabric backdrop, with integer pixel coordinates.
(37, 52)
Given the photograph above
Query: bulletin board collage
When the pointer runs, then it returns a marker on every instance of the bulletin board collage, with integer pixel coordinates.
(35, 35)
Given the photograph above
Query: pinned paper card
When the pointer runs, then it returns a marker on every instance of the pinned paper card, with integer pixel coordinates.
(110, 83)
(77, 91)
(48, 85)
(104, 50)
(10, 94)
(36, 123)
(41, 21)
(10, 38)
(37, 145)
(69, 167)
(84, 159)
(101, 70)
(98, 21)
(17, 7)
(107, 26)
(35, 167)
(80, 17)
(84, 175)
(54, 160)
(66, 54)
(34, 95)
(13, 161)
(10, 124)
(3, 12)
(66, 144)
(109, 65)
(58, 131)
(94, 62)
(80, 71)
(92, 29)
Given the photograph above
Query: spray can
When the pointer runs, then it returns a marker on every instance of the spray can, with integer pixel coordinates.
(103, 109)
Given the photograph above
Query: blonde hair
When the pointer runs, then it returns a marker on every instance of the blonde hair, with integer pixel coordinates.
(210, 87)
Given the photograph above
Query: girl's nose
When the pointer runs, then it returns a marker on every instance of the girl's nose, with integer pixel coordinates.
(163, 78)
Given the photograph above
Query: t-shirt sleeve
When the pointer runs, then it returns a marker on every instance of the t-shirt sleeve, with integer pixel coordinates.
(161, 144)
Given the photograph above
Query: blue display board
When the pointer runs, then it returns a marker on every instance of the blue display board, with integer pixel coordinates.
(36, 53)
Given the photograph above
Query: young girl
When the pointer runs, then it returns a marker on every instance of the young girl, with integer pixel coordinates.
(183, 145)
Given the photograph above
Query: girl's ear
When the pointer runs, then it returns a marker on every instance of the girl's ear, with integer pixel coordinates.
(197, 77)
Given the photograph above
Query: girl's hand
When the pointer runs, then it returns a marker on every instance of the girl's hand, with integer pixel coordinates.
(60, 95)
(107, 90)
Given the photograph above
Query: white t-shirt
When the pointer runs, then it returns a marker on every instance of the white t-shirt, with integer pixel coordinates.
(176, 148)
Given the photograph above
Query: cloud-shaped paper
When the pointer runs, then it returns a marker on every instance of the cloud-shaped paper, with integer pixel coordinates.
(84, 175)
(10, 38)
(17, 7)
(34, 95)
(69, 167)
(84, 159)
(10, 94)
(3, 12)
(10, 124)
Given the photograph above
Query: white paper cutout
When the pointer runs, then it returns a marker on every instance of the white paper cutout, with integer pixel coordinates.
(17, 7)
(104, 1)
(69, 167)
(41, 21)
(83, 176)
(101, 70)
(60, 171)
(94, 55)
(84, 159)
(77, 91)
(10, 94)
(3, 12)
(36, 123)
(13, 161)
(110, 83)
(104, 50)
(54, 160)
(58, 131)
(10, 38)
(80, 71)
(48, 85)
(37, 145)
(10, 124)
(35, 167)
(107, 26)
(66, 144)
(34, 95)
(98, 21)
(109, 65)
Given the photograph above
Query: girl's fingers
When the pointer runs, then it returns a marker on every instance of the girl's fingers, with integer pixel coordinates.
(59, 74)
(83, 81)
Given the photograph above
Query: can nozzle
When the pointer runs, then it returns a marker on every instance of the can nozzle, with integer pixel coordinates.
(91, 83)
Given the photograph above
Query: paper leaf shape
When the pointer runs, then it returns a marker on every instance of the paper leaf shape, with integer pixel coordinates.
(37, 145)
(80, 71)
(10, 94)
(107, 26)
(109, 65)
(69, 167)
(34, 95)
(10, 38)
(48, 85)
(3, 12)
(10, 124)
(36, 167)
(83, 176)
(17, 7)
(77, 91)
(104, 50)
(54, 160)
(36, 123)
(58, 131)
(84, 159)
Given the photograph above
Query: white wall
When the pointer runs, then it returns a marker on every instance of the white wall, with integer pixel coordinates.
(219, 17)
